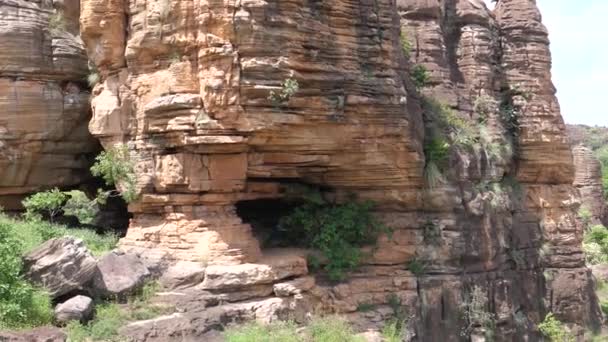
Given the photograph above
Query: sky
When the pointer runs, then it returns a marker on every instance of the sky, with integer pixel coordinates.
(577, 30)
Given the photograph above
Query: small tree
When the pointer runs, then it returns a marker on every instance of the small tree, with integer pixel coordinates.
(116, 169)
(420, 76)
(49, 202)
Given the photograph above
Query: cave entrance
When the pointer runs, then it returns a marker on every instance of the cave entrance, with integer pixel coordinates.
(264, 216)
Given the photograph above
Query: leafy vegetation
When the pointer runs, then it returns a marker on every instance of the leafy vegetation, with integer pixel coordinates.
(288, 89)
(446, 130)
(406, 45)
(116, 168)
(555, 330)
(420, 76)
(396, 328)
(21, 305)
(338, 231)
(113, 166)
(326, 329)
(110, 317)
(49, 202)
(595, 245)
(417, 267)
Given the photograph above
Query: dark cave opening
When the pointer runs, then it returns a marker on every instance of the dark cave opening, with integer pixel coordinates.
(264, 216)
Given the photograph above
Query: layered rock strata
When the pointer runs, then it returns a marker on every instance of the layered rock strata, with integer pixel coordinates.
(588, 180)
(187, 87)
(44, 141)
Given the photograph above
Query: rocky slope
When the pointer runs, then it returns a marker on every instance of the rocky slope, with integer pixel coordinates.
(186, 86)
(44, 141)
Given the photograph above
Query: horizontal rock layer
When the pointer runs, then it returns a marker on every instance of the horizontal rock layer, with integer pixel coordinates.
(44, 141)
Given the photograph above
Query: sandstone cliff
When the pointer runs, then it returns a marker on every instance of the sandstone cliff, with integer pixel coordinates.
(44, 141)
(186, 86)
(589, 182)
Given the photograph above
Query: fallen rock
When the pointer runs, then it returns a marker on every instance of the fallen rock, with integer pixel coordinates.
(201, 325)
(183, 274)
(119, 274)
(294, 287)
(267, 271)
(42, 334)
(60, 265)
(79, 308)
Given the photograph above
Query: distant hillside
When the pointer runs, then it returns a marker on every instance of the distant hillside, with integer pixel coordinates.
(594, 137)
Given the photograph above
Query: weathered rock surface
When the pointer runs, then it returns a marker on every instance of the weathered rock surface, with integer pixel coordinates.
(60, 265)
(186, 85)
(202, 324)
(79, 308)
(119, 274)
(43, 334)
(183, 274)
(44, 101)
(588, 180)
(270, 270)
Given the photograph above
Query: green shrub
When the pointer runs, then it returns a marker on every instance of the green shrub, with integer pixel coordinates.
(104, 327)
(436, 152)
(80, 206)
(49, 202)
(338, 231)
(555, 330)
(116, 168)
(365, 307)
(417, 267)
(406, 45)
(21, 305)
(394, 331)
(585, 215)
(32, 233)
(420, 76)
(253, 331)
(288, 89)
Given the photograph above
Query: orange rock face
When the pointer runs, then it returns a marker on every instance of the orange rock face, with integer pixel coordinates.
(44, 141)
(187, 86)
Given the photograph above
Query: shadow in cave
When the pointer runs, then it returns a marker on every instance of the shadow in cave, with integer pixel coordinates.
(264, 216)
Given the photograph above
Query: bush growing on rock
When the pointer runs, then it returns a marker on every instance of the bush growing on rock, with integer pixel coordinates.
(337, 230)
(555, 330)
(116, 169)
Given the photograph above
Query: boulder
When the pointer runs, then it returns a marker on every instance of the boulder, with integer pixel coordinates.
(79, 308)
(183, 274)
(119, 274)
(60, 265)
(42, 334)
(293, 287)
(269, 270)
